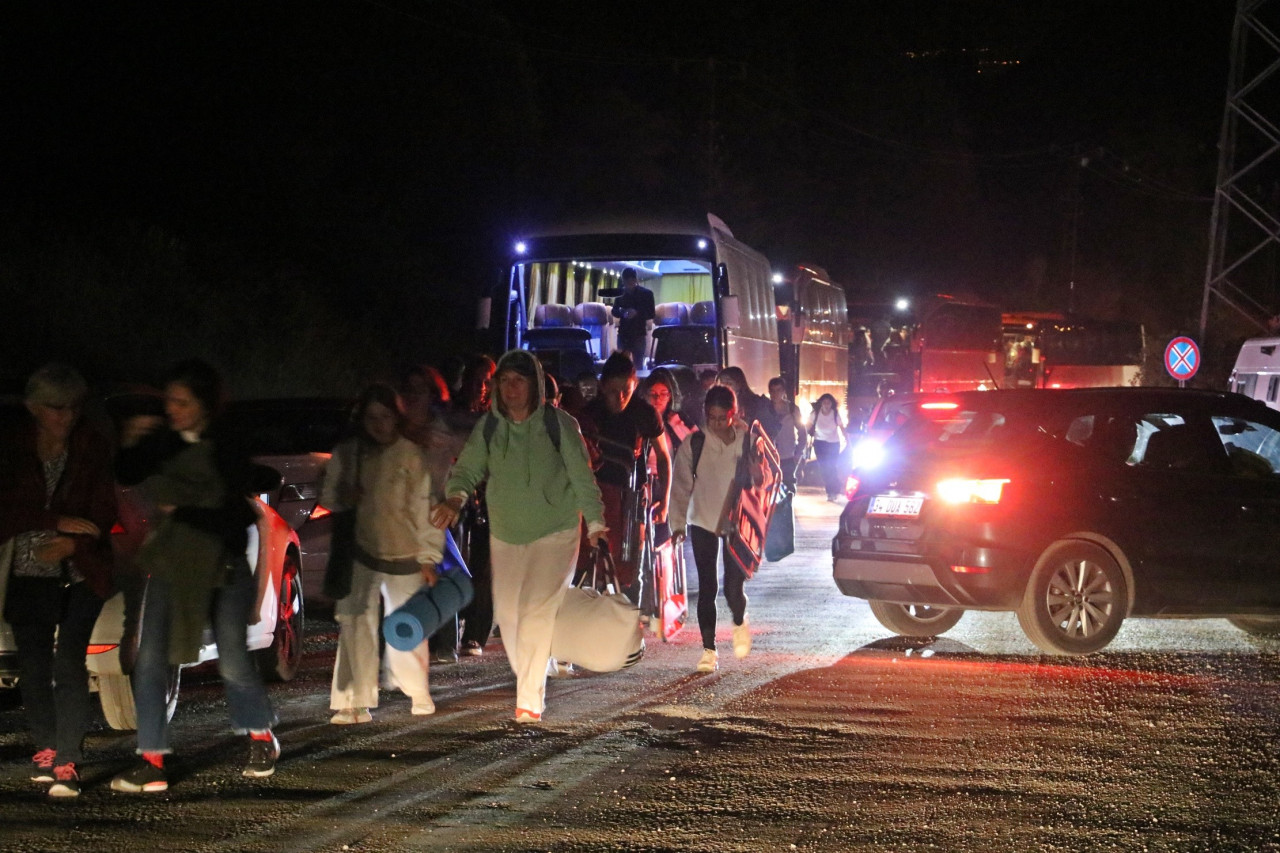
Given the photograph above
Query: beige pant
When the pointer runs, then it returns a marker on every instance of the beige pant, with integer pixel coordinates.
(355, 672)
(529, 582)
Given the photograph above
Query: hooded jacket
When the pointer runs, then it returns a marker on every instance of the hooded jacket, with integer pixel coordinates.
(533, 490)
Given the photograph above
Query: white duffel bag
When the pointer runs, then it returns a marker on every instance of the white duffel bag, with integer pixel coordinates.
(598, 628)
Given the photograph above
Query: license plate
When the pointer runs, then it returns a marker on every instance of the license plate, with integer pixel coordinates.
(895, 506)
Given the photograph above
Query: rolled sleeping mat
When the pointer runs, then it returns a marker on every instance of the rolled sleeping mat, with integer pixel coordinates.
(426, 610)
(430, 607)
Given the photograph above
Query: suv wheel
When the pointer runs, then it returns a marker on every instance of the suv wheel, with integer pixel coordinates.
(280, 660)
(915, 620)
(1258, 626)
(1075, 600)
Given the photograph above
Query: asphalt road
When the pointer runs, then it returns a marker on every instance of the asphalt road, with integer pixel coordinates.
(831, 735)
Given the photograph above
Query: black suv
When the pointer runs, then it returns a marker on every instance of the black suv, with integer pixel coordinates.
(1073, 508)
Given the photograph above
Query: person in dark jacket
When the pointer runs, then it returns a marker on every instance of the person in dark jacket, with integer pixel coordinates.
(195, 559)
(57, 507)
(634, 309)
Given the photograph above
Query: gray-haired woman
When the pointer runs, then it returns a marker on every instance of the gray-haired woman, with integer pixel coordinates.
(57, 504)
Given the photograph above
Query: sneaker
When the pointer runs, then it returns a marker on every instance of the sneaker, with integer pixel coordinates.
(262, 757)
(524, 716)
(42, 765)
(709, 662)
(423, 708)
(351, 716)
(742, 639)
(472, 649)
(66, 781)
(146, 778)
(559, 668)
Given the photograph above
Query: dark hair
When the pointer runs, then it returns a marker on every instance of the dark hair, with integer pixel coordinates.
(203, 381)
(378, 392)
(663, 376)
(817, 404)
(722, 397)
(433, 378)
(629, 274)
(618, 366)
(735, 374)
(776, 382)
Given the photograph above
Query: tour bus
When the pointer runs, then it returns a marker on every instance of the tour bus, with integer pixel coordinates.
(813, 335)
(1050, 350)
(713, 295)
(938, 344)
(1257, 371)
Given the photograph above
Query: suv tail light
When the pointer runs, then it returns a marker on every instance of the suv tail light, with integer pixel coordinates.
(851, 486)
(319, 511)
(961, 491)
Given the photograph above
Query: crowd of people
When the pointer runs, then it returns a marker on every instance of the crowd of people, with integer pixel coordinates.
(528, 471)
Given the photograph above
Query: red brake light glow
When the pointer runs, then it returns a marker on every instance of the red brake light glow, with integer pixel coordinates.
(102, 648)
(961, 491)
(851, 487)
(117, 529)
(320, 511)
(941, 405)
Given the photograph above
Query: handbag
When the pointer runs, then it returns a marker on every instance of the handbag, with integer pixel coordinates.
(598, 628)
(431, 606)
(342, 546)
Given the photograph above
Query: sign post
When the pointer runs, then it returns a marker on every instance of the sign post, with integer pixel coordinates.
(1182, 359)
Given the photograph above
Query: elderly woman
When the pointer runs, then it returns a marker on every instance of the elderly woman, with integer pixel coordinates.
(57, 504)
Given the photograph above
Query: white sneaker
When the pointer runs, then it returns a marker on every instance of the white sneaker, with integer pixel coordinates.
(742, 639)
(424, 708)
(351, 716)
(709, 662)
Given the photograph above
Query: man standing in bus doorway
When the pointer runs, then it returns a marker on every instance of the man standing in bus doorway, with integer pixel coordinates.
(635, 309)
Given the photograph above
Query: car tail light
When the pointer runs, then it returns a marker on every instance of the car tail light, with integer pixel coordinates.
(118, 529)
(320, 511)
(101, 648)
(939, 406)
(961, 491)
(971, 570)
(851, 486)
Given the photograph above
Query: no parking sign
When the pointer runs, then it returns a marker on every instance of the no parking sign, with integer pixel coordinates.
(1182, 359)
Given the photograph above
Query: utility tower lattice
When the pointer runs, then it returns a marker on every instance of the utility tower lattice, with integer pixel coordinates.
(1246, 204)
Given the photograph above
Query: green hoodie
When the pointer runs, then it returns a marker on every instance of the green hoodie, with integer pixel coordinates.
(533, 490)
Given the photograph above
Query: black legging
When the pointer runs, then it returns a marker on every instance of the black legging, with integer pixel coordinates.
(705, 548)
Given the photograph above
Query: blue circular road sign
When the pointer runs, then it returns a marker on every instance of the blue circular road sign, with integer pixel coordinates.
(1182, 358)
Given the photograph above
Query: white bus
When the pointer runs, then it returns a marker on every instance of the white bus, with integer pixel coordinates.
(1257, 371)
(713, 295)
(814, 333)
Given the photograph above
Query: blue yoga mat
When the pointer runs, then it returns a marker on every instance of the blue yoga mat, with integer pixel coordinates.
(423, 614)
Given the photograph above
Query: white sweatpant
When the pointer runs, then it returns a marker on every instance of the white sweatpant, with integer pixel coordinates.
(355, 672)
(529, 582)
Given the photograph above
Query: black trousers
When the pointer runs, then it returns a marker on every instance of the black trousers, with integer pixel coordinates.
(53, 678)
(706, 548)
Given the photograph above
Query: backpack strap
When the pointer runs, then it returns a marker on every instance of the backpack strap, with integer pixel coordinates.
(549, 420)
(696, 440)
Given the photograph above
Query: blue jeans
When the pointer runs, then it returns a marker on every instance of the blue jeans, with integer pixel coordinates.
(246, 697)
(55, 682)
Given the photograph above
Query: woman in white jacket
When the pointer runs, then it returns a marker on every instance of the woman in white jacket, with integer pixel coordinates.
(386, 477)
(700, 502)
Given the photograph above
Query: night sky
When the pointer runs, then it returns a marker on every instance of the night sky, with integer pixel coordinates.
(344, 176)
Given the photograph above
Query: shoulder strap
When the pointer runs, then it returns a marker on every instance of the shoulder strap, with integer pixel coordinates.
(552, 422)
(490, 427)
(696, 440)
(549, 420)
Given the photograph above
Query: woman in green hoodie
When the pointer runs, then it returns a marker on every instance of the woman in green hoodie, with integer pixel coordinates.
(540, 487)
